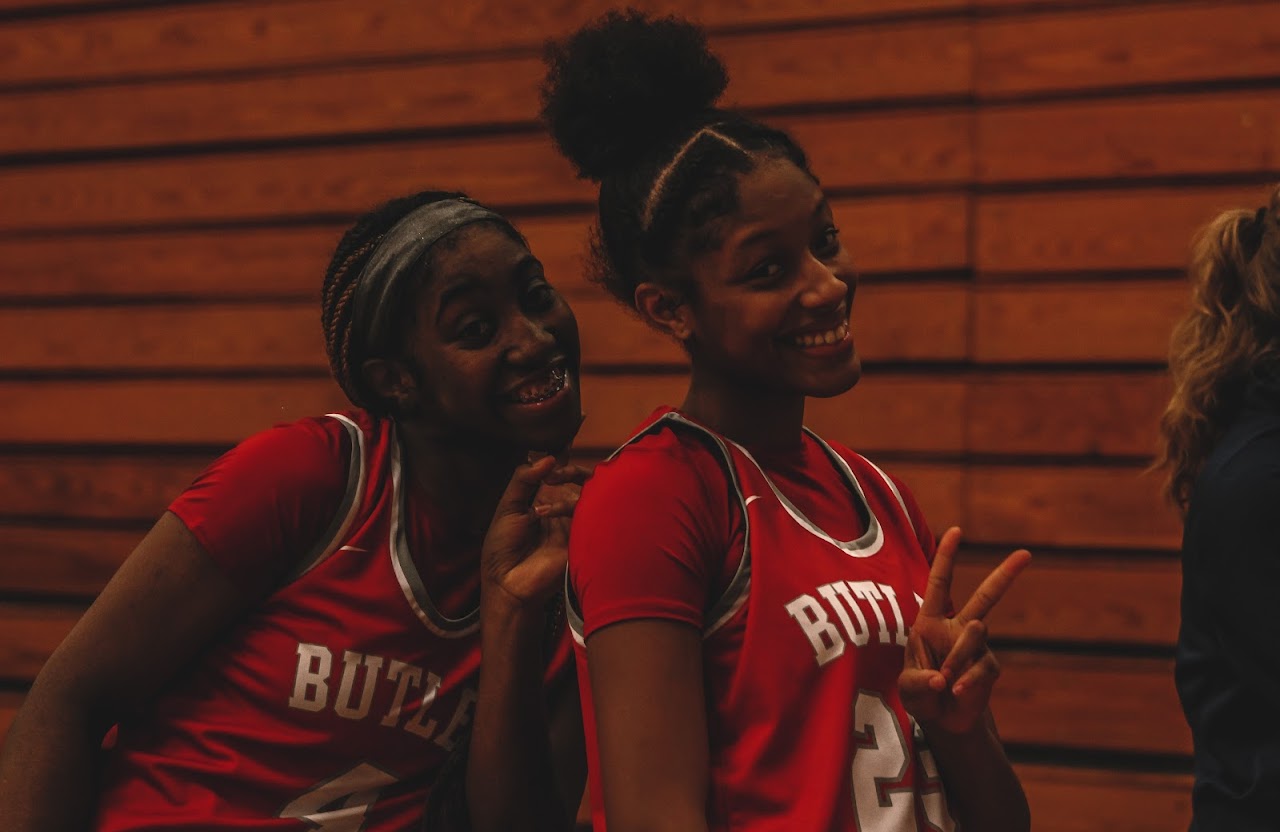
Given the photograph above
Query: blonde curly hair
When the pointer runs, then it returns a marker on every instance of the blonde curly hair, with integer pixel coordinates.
(1231, 334)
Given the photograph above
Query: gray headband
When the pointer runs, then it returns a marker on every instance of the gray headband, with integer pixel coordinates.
(389, 265)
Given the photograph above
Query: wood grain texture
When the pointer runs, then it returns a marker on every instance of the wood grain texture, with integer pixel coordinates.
(1060, 414)
(832, 65)
(1083, 597)
(66, 562)
(1154, 136)
(848, 151)
(1099, 48)
(1107, 231)
(1070, 322)
(114, 487)
(9, 704)
(233, 36)
(1113, 704)
(1066, 799)
(29, 633)
(1076, 506)
(893, 323)
(888, 235)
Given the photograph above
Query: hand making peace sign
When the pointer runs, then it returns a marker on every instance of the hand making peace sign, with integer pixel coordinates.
(949, 671)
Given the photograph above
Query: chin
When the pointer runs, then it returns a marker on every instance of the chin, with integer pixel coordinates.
(552, 436)
(834, 384)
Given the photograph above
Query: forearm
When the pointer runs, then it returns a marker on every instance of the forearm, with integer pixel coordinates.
(48, 769)
(982, 789)
(510, 778)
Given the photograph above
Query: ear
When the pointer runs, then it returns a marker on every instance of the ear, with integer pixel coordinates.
(391, 381)
(666, 310)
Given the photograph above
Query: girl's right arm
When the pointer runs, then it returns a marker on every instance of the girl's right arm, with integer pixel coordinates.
(648, 548)
(243, 523)
(166, 603)
(646, 682)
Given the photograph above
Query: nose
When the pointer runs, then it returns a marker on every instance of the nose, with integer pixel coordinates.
(529, 342)
(824, 288)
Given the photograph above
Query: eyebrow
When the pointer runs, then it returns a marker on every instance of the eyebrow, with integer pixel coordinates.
(470, 284)
(763, 233)
(460, 288)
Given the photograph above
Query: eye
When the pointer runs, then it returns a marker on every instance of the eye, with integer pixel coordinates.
(828, 244)
(540, 297)
(475, 332)
(765, 272)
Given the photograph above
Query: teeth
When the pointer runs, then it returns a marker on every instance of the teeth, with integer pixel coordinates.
(541, 391)
(815, 339)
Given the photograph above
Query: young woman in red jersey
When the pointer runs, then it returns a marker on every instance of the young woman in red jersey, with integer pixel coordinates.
(296, 644)
(763, 617)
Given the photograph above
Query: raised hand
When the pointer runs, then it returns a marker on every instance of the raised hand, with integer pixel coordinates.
(949, 670)
(527, 545)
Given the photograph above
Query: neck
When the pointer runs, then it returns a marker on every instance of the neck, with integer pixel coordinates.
(760, 420)
(463, 476)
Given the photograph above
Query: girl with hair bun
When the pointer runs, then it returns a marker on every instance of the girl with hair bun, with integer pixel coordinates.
(1221, 451)
(296, 644)
(766, 640)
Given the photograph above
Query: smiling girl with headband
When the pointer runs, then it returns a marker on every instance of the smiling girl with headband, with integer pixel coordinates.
(296, 644)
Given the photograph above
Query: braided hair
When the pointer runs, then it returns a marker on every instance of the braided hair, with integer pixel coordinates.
(337, 299)
(630, 101)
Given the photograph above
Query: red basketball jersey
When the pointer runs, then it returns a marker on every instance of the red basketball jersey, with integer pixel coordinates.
(801, 655)
(332, 705)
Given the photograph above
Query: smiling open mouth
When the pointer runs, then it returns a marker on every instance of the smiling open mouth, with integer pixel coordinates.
(542, 389)
(818, 339)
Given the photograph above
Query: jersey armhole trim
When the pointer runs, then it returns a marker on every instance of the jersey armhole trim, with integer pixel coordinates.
(347, 509)
(736, 592)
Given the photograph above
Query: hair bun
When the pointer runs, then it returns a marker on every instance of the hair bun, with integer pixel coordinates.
(624, 84)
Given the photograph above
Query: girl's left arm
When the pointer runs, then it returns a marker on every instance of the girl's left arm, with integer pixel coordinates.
(946, 685)
(520, 777)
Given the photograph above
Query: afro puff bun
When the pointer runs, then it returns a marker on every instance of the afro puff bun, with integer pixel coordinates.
(624, 85)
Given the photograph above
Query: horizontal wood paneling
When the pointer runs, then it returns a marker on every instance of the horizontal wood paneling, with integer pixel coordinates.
(1107, 414)
(1018, 180)
(505, 171)
(1080, 597)
(110, 487)
(889, 412)
(1096, 231)
(28, 634)
(918, 233)
(1155, 136)
(1067, 799)
(1070, 506)
(1101, 47)
(1113, 704)
(9, 702)
(46, 560)
(231, 36)
(1071, 322)
(835, 65)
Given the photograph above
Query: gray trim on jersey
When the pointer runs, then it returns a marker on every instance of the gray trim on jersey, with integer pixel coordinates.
(735, 594)
(862, 547)
(347, 509)
(892, 487)
(415, 592)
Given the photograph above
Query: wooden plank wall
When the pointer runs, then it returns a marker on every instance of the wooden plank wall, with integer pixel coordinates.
(1018, 180)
